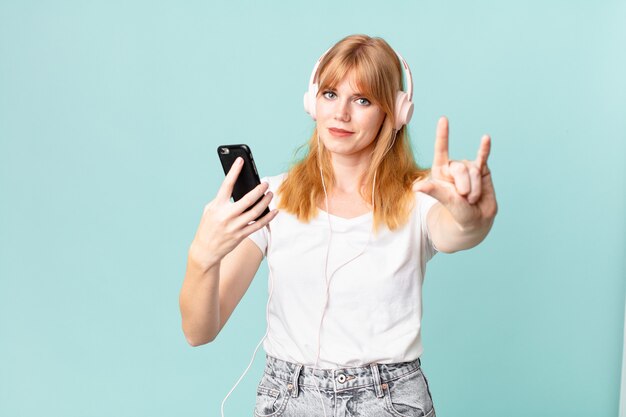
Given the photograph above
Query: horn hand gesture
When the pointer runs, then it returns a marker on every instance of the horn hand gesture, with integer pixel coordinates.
(464, 189)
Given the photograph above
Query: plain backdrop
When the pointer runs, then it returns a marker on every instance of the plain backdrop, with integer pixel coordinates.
(110, 114)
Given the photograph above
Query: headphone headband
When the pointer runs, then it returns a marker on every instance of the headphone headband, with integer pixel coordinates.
(408, 76)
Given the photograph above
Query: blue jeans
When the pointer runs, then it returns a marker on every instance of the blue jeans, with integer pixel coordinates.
(378, 390)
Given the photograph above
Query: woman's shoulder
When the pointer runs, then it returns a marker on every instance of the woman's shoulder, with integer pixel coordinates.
(423, 198)
(274, 181)
(422, 204)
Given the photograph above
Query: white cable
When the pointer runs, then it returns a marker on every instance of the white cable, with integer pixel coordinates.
(330, 235)
(267, 319)
(327, 278)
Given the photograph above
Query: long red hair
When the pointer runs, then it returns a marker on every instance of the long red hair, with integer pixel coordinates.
(378, 74)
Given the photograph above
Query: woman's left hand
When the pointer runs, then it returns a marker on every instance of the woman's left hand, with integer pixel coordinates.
(463, 187)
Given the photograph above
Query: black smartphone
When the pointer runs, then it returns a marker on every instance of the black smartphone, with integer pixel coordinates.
(248, 177)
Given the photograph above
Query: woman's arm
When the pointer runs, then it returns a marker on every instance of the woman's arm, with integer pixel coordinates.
(210, 293)
(221, 261)
(467, 203)
(448, 236)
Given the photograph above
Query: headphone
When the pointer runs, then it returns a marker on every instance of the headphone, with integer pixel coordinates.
(402, 111)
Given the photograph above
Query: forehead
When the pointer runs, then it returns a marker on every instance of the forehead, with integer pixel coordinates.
(348, 81)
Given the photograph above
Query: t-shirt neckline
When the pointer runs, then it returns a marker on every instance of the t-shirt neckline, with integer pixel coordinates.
(323, 214)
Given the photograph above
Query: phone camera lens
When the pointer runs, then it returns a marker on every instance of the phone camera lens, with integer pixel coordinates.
(224, 151)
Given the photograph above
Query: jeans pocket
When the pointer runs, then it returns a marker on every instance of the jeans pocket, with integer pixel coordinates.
(409, 396)
(271, 398)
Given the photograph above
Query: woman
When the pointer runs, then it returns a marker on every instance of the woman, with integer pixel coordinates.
(347, 252)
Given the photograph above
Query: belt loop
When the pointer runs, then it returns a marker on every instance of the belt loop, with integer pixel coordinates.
(377, 382)
(294, 380)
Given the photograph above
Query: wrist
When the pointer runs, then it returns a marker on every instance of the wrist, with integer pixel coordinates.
(475, 226)
(201, 259)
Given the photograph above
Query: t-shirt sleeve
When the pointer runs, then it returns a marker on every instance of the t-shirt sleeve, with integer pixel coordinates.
(424, 204)
(260, 239)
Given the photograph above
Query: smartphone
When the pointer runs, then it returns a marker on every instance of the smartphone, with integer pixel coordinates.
(248, 177)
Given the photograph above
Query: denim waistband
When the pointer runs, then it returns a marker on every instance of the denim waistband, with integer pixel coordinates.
(341, 378)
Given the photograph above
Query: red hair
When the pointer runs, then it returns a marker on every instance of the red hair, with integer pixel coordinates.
(378, 74)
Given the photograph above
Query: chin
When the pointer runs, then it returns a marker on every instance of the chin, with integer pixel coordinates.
(336, 145)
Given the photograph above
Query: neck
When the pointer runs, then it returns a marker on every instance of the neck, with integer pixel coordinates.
(350, 173)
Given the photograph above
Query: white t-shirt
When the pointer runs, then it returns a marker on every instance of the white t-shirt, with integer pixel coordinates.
(374, 305)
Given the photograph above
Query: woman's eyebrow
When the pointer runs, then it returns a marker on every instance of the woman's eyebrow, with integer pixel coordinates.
(354, 93)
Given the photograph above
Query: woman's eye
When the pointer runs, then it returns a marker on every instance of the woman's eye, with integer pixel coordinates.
(363, 101)
(329, 95)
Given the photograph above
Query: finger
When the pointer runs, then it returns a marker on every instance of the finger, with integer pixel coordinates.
(483, 152)
(259, 224)
(475, 184)
(226, 189)
(251, 197)
(488, 190)
(461, 178)
(435, 190)
(489, 205)
(257, 209)
(441, 143)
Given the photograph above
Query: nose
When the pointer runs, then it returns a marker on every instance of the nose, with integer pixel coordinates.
(342, 110)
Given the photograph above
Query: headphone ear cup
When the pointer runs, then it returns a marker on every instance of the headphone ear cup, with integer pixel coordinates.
(403, 110)
(309, 100)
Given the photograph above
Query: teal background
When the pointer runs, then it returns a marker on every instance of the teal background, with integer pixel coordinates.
(110, 113)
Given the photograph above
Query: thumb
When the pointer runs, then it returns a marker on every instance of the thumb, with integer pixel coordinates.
(432, 189)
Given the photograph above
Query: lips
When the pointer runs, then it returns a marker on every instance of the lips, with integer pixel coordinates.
(339, 132)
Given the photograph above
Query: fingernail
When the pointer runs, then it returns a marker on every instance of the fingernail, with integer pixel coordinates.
(239, 160)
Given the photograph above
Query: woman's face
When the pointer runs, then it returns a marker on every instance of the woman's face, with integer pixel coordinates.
(347, 121)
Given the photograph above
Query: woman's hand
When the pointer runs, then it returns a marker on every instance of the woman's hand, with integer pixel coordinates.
(464, 188)
(224, 224)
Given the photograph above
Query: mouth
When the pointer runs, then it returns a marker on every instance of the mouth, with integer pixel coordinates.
(339, 132)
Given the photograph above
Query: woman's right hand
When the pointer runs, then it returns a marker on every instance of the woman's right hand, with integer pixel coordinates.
(225, 224)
